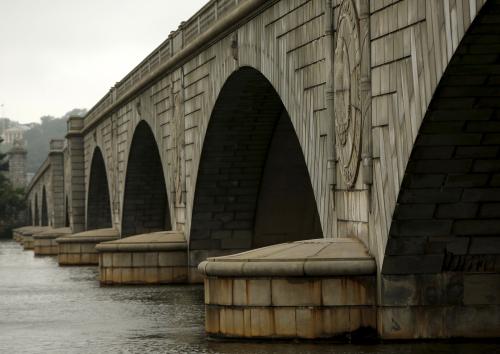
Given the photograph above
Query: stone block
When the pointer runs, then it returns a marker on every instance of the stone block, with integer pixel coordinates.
(172, 259)
(238, 322)
(457, 210)
(226, 321)
(490, 210)
(240, 292)
(335, 321)
(165, 275)
(139, 275)
(482, 289)
(308, 321)
(116, 275)
(399, 290)
(485, 245)
(62, 258)
(421, 227)
(429, 322)
(421, 264)
(151, 259)
(221, 291)
(179, 274)
(151, 275)
(108, 274)
(296, 292)
(396, 323)
(212, 319)
(94, 258)
(127, 276)
(258, 292)
(86, 258)
(262, 322)
(122, 259)
(247, 322)
(477, 227)
(138, 259)
(88, 248)
(348, 291)
(74, 259)
(473, 321)
(106, 260)
(285, 322)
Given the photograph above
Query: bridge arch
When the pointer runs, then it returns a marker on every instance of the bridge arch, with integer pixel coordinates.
(66, 212)
(44, 212)
(30, 220)
(36, 219)
(99, 214)
(145, 198)
(253, 187)
(447, 216)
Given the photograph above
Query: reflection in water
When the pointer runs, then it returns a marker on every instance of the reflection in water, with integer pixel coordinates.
(48, 309)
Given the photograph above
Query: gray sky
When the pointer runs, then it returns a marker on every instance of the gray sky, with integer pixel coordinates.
(56, 55)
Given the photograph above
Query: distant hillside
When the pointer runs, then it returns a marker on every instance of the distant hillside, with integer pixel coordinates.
(38, 135)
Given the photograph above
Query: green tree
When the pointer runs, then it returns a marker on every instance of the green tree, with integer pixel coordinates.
(12, 201)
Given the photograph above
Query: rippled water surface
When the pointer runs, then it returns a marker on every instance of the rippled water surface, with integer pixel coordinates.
(48, 309)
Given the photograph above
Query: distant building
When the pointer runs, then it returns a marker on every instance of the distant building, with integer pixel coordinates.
(10, 135)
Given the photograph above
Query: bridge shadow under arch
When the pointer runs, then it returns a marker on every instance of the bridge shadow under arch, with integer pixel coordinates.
(448, 214)
(145, 201)
(45, 214)
(66, 212)
(253, 188)
(98, 205)
(36, 219)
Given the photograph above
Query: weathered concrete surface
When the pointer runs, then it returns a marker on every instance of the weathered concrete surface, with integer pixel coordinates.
(155, 258)
(79, 249)
(45, 242)
(310, 289)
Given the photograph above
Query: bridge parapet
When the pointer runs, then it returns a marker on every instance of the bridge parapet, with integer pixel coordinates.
(214, 18)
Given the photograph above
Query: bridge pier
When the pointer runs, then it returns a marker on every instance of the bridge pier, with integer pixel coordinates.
(320, 288)
(27, 236)
(45, 244)
(17, 233)
(154, 258)
(80, 249)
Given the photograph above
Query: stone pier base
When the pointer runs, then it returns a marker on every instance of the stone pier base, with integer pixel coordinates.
(155, 258)
(80, 249)
(17, 233)
(27, 236)
(308, 289)
(45, 242)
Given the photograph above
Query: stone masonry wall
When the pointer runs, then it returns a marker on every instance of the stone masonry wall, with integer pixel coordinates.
(285, 43)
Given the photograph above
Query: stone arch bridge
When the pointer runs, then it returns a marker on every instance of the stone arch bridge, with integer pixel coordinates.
(369, 128)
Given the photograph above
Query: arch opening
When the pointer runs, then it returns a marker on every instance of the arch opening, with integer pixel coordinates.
(98, 205)
(66, 213)
(448, 210)
(253, 187)
(45, 214)
(30, 213)
(145, 205)
(36, 219)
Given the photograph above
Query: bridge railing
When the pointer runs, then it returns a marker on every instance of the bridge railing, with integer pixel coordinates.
(177, 40)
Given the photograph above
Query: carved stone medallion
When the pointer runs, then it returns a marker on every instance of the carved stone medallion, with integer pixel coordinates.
(178, 117)
(347, 73)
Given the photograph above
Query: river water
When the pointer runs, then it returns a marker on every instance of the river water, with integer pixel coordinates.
(48, 309)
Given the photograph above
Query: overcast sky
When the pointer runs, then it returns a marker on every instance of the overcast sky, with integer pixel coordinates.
(56, 55)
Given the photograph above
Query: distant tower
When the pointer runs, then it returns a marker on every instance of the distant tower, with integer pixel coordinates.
(17, 164)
